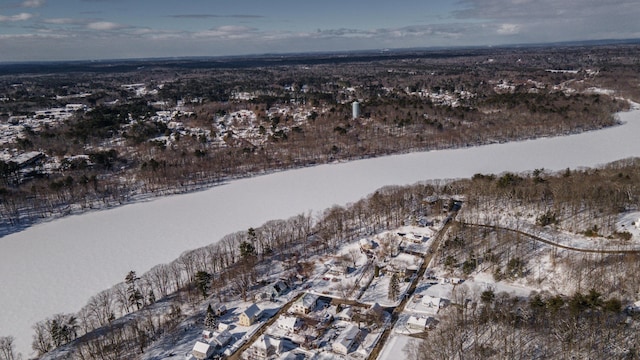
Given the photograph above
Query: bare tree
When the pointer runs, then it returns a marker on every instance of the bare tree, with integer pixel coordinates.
(7, 351)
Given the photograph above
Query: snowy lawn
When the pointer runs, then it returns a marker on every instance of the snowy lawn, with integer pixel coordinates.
(394, 348)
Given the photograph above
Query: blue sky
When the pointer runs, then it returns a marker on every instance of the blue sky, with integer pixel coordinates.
(34, 30)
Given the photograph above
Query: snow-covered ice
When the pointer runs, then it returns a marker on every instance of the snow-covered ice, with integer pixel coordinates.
(56, 266)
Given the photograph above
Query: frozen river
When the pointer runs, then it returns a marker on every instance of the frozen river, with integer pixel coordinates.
(56, 266)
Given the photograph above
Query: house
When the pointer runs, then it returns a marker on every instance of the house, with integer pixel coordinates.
(264, 347)
(346, 314)
(28, 159)
(374, 314)
(220, 339)
(272, 291)
(346, 339)
(219, 309)
(417, 323)
(415, 238)
(338, 270)
(305, 304)
(249, 315)
(420, 323)
(202, 350)
(289, 323)
(434, 302)
(375, 310)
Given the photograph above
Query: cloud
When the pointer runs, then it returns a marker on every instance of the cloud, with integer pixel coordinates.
(544, 9)
(31, 36)
(105, 26)
(215, 16)
(508, 29)
(33, 3)
(17, 17)
(228, 32)
(66, 21)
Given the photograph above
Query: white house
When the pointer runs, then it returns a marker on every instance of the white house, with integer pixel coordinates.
(434, 302)
(419, 323)
(264, 347)
(346, 339)
(202, 350)
(305, 304)
(289, 323)
(249, 316)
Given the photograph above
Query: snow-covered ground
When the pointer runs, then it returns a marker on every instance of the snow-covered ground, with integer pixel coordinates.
(56, 266)
(394, 348)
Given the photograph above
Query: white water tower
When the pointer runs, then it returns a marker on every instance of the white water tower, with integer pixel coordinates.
(355, 110)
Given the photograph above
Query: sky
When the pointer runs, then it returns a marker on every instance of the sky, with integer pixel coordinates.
(44, 30)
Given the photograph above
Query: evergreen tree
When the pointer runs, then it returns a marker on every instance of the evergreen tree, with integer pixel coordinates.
(135, 297)
(203, 282)
(246, 249)
(210, 318)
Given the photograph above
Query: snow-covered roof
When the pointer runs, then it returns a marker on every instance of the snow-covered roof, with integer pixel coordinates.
(308, 300)
(431, 301)
(345, 314)
(27, 157)
(347, 337)
(220, 338)
(287, 322)
(417, 321)
(252, 311)
(375, 309)
(201, 347)
(265, 342)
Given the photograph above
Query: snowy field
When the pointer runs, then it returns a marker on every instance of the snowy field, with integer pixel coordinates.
(56, 266)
